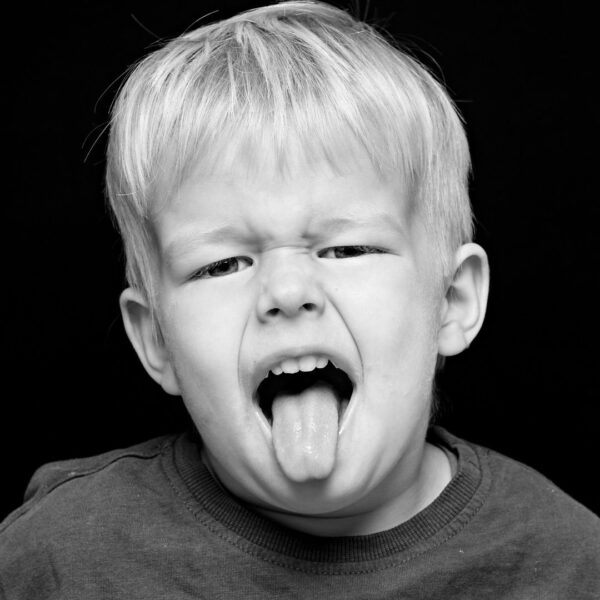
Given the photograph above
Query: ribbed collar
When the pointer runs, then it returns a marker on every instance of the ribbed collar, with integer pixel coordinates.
(450, 510)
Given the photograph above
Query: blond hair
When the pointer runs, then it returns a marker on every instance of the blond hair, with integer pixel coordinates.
(301, 70)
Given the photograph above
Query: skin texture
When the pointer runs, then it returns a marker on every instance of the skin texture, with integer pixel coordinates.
(328, 263)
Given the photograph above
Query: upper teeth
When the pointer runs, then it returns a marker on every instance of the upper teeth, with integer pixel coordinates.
(302, 363)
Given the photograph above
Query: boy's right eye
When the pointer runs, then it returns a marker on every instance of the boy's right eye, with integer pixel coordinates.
(220, 268)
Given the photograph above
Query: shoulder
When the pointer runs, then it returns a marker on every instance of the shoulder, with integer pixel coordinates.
(109, 522)
(51, 476)
(56, 478)
(65, 499)
(533, 494)
(527, 510)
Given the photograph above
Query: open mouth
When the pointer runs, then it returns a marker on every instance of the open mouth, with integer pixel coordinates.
(287, 384)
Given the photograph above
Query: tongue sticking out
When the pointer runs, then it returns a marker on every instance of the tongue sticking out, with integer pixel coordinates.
(305, 432)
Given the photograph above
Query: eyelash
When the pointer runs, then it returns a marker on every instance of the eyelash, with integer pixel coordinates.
(205, 271)
(208, 271)
(361, 250)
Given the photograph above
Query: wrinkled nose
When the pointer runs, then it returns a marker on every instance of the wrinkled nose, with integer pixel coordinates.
(289, 288)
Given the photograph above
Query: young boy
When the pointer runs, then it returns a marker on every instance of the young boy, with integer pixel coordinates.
(292, 195)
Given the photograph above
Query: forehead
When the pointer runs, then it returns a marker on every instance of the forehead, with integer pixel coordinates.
(262, 190)
(250, 156)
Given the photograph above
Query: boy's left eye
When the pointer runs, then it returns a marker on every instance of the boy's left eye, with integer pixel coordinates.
(349, 251)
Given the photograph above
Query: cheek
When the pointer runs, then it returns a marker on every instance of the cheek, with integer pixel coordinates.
(394, 309)
(203, 334)
(393, 319)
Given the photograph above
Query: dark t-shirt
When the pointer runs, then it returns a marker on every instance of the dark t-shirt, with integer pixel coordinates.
(150, 522)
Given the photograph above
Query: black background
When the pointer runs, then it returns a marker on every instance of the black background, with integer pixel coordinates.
(524, 81)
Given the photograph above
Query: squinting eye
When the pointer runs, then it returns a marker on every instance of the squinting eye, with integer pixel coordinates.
(349, 251)
(220, 268)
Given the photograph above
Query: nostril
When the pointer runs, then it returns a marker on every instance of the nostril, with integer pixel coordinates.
(307, 306)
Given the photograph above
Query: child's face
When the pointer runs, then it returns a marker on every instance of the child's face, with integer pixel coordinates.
(315, 265)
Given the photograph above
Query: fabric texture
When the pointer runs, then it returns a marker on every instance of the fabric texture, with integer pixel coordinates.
(150, 522)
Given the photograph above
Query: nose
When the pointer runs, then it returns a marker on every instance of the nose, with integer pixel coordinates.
(289, 288)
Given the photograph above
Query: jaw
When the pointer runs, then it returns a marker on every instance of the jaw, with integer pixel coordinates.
(369, 486)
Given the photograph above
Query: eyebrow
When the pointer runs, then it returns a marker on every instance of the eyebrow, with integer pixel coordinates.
(188, 242)
(382, 220)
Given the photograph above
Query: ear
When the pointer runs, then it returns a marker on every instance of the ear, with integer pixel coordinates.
(150, 347)
(464, 306)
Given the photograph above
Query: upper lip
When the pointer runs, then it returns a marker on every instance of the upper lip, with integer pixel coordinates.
(262, 367)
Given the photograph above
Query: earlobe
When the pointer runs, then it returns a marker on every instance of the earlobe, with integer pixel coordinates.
(466, 300)
(137, 319)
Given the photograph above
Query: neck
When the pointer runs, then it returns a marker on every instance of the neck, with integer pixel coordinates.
(404, 495)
